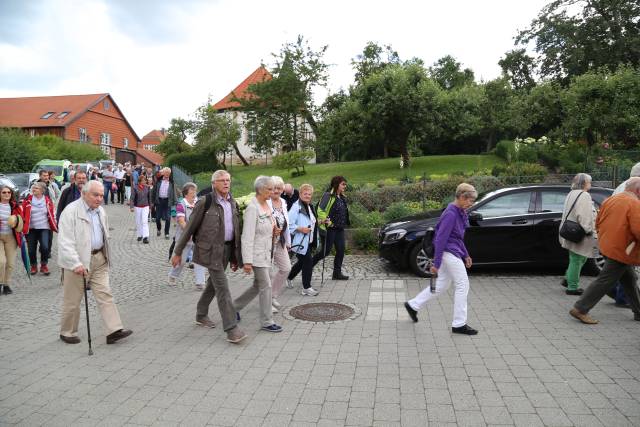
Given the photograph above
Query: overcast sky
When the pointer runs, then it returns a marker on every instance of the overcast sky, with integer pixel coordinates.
(161, 59)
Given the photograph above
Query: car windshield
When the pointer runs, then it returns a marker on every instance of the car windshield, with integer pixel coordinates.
(20, 179)
(56, 168)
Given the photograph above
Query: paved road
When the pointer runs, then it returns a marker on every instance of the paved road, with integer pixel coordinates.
(530, 365)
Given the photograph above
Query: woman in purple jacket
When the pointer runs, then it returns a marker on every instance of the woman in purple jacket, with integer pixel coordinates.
(450, 260)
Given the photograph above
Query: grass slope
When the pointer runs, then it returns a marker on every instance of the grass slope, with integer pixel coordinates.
(368, 171)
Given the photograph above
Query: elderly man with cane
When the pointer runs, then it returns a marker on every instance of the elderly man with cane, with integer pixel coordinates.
(83, 256)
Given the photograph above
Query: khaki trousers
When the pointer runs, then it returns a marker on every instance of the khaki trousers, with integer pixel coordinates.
(8, 249)
(73, 293)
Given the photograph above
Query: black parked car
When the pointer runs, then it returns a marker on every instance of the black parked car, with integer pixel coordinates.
(515, 225)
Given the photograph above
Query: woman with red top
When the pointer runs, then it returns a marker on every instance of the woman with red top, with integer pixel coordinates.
(39, 222)
(10, 236)
(140, 202)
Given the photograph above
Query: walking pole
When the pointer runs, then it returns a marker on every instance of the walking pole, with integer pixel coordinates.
(324, 253)
(86, 307)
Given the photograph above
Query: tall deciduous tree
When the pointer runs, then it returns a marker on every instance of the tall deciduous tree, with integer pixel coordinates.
(280, 106)
(215, 133)
(176, 139)
(449, 73)
(519, 68)
(572, 37)
(373, 59)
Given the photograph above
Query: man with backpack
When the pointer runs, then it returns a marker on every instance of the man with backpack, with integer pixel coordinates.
(215, 221)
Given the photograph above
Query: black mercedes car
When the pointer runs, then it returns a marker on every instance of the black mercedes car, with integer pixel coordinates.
(509, 226)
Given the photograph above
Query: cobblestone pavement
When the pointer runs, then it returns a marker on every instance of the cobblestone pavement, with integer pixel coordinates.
(530, 365)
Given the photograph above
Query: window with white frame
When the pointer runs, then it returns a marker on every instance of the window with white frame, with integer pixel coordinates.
(125, 142)
(83, 134)
(105, 143)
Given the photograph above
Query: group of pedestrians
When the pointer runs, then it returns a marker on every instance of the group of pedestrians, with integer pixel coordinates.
(270, 229)
(613, 232)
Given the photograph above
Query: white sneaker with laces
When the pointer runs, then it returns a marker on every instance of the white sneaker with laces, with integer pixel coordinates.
(309, 292)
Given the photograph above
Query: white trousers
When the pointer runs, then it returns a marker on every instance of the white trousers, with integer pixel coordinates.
(451, 270)
(142, 226)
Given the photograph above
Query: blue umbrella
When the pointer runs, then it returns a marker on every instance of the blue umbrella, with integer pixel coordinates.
(24, 252)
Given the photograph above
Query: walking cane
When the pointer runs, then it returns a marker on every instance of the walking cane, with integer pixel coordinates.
(86, 307)
(324, 253)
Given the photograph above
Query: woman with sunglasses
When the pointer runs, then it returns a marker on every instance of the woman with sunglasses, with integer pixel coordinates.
(10, 236)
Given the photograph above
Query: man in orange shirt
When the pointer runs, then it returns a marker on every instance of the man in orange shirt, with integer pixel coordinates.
(618, 225)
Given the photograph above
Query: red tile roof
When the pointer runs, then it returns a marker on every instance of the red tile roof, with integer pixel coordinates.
(154, 137)
(28, 112)
(150, 156)
(258, 76)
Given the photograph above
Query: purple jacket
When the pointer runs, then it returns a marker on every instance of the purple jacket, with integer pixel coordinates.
(450, 234)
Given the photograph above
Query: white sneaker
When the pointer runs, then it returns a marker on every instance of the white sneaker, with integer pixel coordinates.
(276, 304)
(309, 292)
(289, 284)
(273, 309)
(172, 280)
(199, 286)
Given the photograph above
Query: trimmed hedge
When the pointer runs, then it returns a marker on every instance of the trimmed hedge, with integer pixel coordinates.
(192, 162)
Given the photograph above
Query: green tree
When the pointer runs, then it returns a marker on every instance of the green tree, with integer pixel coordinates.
(373, 59)
(282, 106)
(176, 139)
(215, 134)
(603, 107)
(572, 37)
(519, 68)
(449, 73)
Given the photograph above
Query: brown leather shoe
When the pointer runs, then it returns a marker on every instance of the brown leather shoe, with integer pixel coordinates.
(118, 335)
(235, 335)
(70, 340)
(583, 317)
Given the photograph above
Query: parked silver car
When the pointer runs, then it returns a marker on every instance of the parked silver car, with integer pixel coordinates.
(23, 181)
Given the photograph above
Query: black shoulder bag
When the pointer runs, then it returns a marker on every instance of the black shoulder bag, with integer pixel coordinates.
(571, 230)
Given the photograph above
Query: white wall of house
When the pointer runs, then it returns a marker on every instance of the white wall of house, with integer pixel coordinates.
(240, 117)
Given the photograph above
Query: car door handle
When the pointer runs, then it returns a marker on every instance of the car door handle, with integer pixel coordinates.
(519, 221)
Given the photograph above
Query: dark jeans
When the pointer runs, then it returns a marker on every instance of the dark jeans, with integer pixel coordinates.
(333, 237)
(304, 263)
(120, 184)
(107, 192)
(34, 238)
(163, 211)
(612, 272)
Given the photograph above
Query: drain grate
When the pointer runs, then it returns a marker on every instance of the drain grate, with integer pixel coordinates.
(323, 312)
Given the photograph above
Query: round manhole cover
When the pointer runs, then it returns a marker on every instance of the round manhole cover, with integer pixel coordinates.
(323, 312)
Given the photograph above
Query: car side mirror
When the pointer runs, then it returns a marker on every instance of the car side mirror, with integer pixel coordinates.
(475, 216)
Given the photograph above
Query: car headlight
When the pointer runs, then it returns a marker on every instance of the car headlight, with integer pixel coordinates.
(394, 235)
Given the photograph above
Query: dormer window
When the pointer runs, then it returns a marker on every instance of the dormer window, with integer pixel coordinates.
(47, 115)
(105, 104)
(63, 114)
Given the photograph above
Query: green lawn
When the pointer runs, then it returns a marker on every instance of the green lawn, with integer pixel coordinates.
(369, 171)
